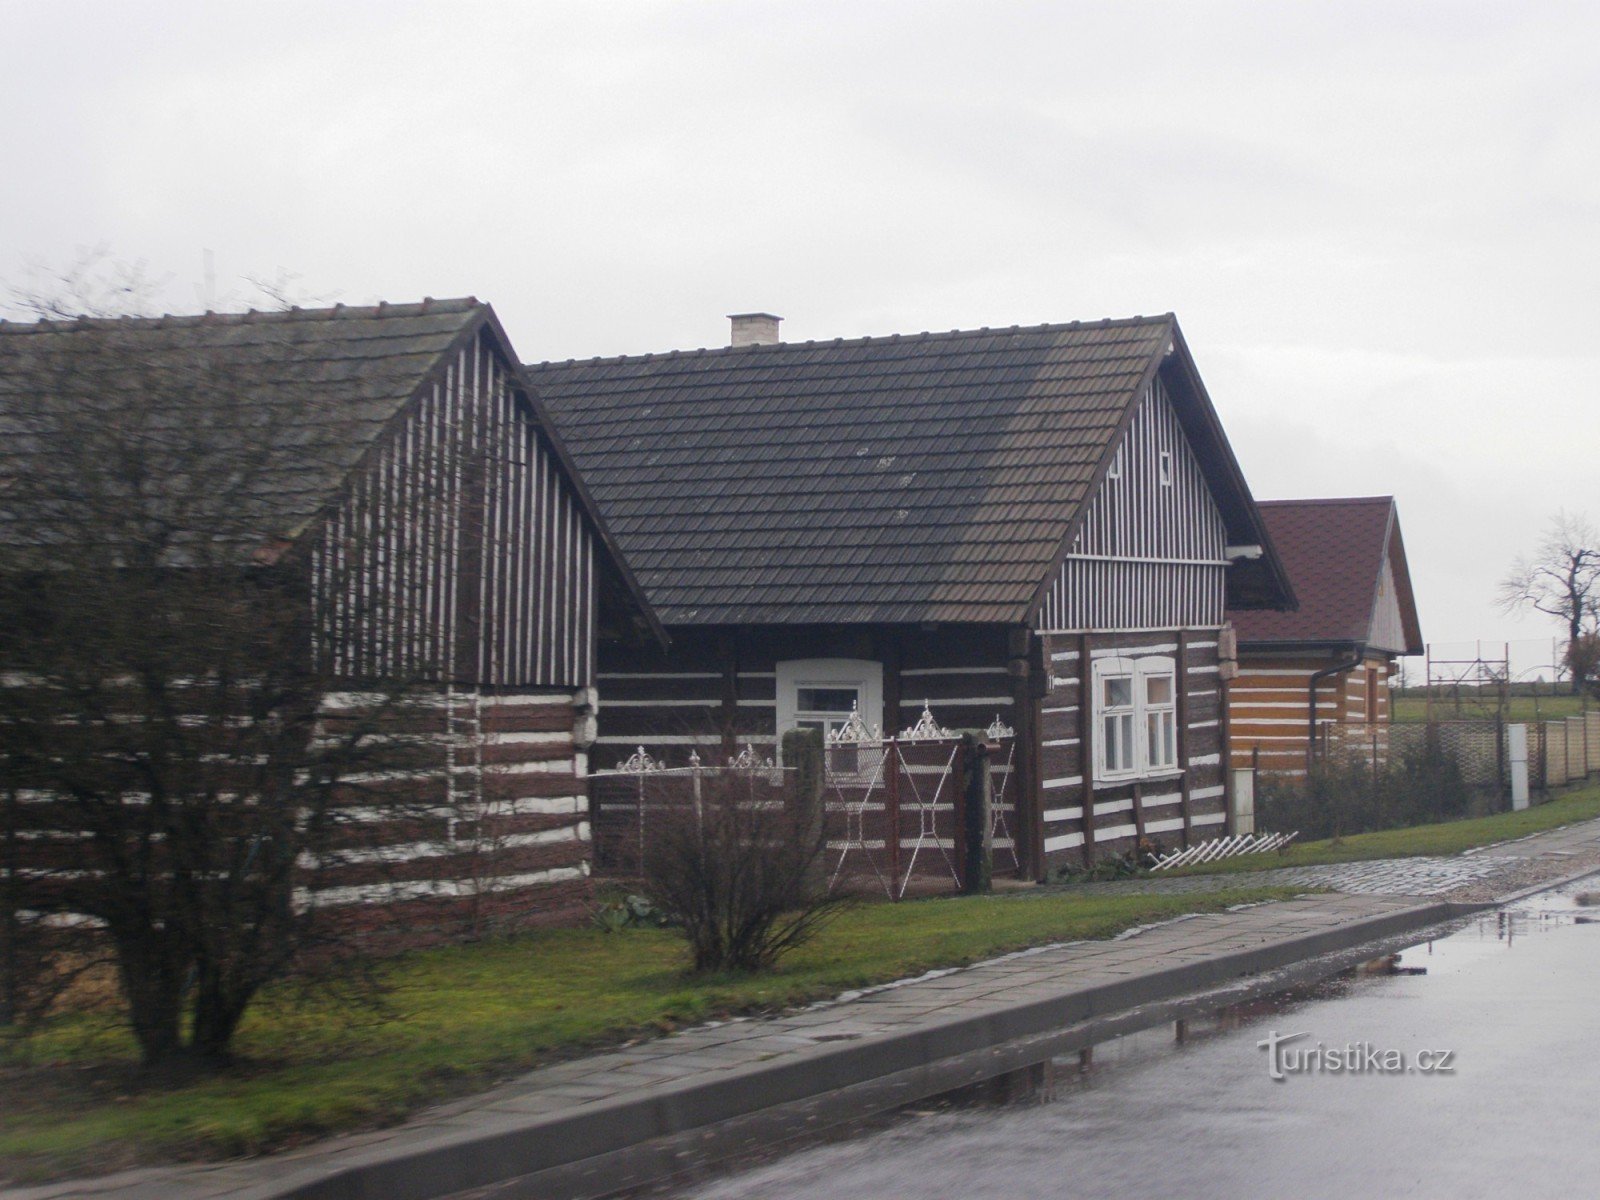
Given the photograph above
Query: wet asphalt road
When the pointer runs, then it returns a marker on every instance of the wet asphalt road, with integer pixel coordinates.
(1514, 998)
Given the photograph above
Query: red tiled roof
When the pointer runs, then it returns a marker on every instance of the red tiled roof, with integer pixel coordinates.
(1333, 551)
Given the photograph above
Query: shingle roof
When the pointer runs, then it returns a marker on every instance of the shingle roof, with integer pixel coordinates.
(1334, 550)
(898, 479)
(314, 387)
(326, 382)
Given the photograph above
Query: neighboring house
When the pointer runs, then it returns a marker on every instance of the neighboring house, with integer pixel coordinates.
(445, 539)
(1042, 524)
(1319, 676)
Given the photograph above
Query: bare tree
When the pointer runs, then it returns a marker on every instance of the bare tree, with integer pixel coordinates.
(1562, 580)
(169, 772)
(1583, 659)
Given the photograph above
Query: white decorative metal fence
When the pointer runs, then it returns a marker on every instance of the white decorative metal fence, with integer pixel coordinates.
(894, 806)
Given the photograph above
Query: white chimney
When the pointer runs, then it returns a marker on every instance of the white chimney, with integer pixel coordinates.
(754, 329)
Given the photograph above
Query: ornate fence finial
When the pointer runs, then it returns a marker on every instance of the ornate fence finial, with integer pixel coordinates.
(855, 730)
(998, 730)
(926, 729)
(640, 761)
(748, 760)
(694, 758)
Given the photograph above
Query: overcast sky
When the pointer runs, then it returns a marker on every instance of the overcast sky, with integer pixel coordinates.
(1379, 224)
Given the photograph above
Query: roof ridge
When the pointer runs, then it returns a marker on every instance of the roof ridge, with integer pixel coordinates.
(867, 340)
(427, 306)
(1325, 500)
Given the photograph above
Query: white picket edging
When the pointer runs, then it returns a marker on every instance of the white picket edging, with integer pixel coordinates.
(1225, 847)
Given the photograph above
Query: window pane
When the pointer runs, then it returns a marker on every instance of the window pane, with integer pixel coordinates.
(826, 699)
(1118, 729)
(1159, 731)
(1118, 692)
(1158, 689)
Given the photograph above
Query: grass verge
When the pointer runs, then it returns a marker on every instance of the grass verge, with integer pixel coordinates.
(1446, 837)
(457, 1019)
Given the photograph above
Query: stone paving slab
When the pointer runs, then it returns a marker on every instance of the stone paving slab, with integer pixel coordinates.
(591, 1108)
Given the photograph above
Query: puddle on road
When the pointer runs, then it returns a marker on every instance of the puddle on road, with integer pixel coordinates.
(1167, 1066)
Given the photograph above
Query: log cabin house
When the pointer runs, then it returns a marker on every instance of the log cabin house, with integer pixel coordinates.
(1041, 524)
(444, 538)
(1319, 676)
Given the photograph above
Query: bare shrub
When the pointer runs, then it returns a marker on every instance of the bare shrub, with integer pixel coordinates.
(1343, 794)
(742, 869)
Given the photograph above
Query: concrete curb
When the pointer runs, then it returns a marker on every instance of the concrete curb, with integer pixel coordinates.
(630, 1140)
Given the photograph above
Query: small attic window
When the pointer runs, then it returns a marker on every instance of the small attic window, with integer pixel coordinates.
(1114, 471)
(1166, 468)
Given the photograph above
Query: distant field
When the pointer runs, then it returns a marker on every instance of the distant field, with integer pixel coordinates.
(1413, 709)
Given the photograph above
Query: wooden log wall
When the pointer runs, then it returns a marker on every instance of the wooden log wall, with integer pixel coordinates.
(1269, 709)
(460, 552)
(1082, 820)
(484, 830)
(715, 691)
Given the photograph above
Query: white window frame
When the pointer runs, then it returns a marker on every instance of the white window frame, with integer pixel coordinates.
(863, 675)
(1138, 672)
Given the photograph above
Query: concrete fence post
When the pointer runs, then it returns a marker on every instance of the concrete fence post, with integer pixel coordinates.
(1517, 755)
(977, 816)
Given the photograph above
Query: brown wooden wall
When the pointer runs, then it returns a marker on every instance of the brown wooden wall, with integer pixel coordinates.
(716, 689)
(486, 829)
(1269, 706)
(1080, 820)
(496, 820)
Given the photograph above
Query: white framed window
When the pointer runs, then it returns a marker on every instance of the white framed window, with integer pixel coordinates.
(1116, 716)
(1136, 717)
(1160, 715)
(822, 693)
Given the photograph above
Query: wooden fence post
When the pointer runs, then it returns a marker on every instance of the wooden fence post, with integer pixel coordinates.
(977, 791)
(802, 750)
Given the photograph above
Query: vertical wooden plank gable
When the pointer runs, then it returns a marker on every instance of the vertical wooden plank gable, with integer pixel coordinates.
(462, 553)
(1151, 551)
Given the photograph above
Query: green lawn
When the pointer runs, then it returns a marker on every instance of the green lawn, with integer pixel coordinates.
(1448, 837)
(1411, 710)
(457, 1019)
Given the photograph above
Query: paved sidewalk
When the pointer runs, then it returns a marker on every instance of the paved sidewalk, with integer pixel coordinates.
(588, 1124)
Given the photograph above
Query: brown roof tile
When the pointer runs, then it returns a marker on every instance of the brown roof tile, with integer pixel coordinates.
(1333, 550)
